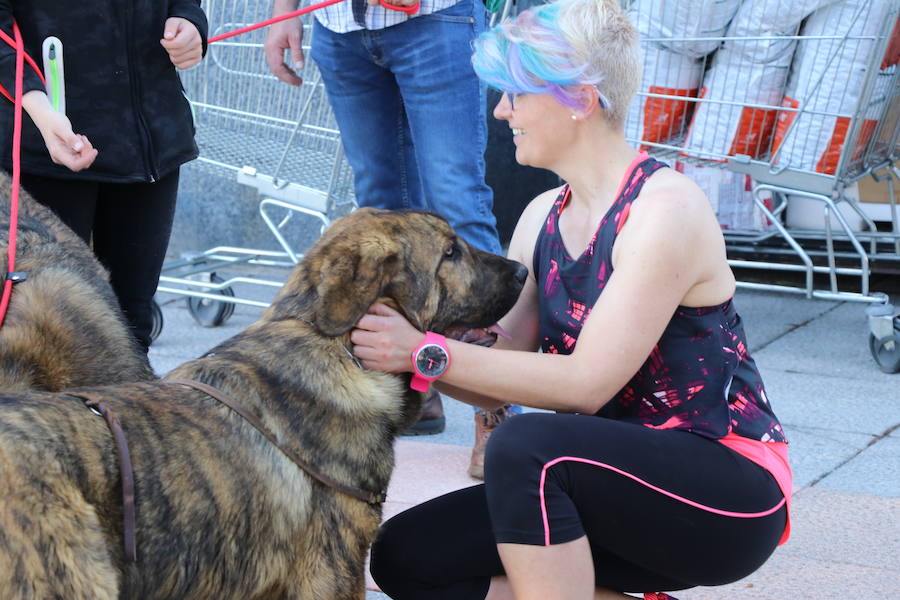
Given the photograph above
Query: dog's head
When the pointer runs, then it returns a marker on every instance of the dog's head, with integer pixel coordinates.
(410, 260)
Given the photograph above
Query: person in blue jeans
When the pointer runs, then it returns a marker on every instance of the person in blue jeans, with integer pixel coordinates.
(411, 112)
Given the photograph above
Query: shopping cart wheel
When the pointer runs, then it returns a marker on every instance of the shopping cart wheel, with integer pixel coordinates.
(157, 316)
(211, 313)
(886, 351)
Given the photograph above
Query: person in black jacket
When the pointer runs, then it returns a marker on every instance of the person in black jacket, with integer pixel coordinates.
(115, 181)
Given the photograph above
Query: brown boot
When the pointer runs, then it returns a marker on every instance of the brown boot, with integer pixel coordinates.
(486, 421)
(431, 421)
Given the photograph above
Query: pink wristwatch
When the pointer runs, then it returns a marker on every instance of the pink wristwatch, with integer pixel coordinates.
(429, 360)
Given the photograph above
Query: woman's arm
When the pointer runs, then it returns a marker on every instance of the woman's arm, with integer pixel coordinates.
(668, 247)
(661, 255)
(65, 147)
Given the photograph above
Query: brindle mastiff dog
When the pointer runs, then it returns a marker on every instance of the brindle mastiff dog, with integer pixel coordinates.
(63, 327)
(222, 513)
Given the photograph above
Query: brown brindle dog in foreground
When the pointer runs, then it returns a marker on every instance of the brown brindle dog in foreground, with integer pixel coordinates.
(63, 327)
(221, 512)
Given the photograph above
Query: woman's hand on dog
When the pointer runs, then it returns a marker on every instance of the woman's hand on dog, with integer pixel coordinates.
(66, 147)
(384, 340)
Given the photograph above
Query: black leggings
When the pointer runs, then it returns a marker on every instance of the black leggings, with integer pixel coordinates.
(129, 224)
(642, 539)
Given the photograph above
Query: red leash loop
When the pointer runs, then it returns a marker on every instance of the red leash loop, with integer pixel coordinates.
(410, 10)
(16, 151)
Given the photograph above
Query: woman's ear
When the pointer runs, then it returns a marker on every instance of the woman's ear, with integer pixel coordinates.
(588, 100)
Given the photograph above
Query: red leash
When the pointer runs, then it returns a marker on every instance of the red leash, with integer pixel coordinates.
(272, 21)
(11, 277)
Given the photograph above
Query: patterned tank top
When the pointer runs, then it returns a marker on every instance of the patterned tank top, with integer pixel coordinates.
(699, 377)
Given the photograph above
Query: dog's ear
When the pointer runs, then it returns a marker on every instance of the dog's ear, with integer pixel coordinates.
(350, 283)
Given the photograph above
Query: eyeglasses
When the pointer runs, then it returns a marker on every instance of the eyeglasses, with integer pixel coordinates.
(512, 98)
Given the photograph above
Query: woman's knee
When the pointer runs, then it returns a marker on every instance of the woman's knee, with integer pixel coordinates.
(386, 563)
(513, 445)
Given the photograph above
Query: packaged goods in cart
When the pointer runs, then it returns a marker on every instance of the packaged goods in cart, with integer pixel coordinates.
(689, 27)
(744, 86)
(731, 196)
(825, 85)
(673, 62)
(655, 119)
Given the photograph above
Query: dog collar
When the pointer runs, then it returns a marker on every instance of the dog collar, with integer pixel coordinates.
(429, 360)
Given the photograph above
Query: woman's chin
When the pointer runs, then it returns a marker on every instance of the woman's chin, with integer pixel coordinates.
(523, 159)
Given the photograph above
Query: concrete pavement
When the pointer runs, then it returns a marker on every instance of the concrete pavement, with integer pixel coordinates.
(840, 412)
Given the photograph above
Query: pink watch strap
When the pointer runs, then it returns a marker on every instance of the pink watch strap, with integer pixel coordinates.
(419, 382)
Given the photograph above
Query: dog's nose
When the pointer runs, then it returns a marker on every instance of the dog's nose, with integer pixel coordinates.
(521, 274)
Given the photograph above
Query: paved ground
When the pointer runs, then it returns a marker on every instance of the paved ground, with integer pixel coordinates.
(841, 414)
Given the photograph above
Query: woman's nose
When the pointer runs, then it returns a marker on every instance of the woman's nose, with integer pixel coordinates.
(503, 109)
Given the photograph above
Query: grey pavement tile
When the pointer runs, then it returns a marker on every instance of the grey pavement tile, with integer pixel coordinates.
(870, 406)
(788, 577)
(842, 527)
(834, 344)
(183, 339)
(875, 470)
(814, 453)
(768, 316)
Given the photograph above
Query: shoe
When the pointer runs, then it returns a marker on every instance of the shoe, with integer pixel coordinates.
(431, 421)
(486, 421)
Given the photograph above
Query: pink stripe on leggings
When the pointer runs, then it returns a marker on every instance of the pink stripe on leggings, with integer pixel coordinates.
(725, 513)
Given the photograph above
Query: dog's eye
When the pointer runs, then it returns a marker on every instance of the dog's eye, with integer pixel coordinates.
(452, 252)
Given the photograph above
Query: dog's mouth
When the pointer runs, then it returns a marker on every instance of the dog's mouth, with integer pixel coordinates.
(480, 336)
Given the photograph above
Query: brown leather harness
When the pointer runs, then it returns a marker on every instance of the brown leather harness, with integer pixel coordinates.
(127, 472)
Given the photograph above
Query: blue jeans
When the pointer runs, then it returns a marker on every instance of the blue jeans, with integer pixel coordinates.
(412, 116)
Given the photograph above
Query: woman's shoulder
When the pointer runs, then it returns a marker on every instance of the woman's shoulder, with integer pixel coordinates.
(672, 197)
(530, 222)
(535, 213)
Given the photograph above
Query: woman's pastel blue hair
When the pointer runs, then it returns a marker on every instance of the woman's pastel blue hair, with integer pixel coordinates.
(530, 55)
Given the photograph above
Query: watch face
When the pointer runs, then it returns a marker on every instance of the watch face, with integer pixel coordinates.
(431, 360)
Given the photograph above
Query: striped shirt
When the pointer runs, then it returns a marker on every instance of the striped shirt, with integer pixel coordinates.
(340, 17)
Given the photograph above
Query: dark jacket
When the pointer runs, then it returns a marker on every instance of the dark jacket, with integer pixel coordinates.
(122, 91)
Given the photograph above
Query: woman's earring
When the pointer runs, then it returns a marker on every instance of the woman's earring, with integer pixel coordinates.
(574, 117)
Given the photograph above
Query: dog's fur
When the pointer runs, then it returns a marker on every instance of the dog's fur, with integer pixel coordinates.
(63, 327)
(221, 513)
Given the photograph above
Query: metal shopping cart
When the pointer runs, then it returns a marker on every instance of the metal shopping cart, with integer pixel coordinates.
(278, 139)
(800, 100)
